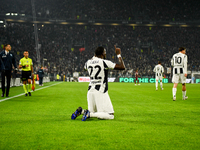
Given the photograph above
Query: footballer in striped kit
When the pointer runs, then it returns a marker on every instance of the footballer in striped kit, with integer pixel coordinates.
(99, 103)
(159, 70)
(179, 63)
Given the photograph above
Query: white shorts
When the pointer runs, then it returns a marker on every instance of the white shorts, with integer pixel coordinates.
(159, 78)
(179, 78)
(99, 102)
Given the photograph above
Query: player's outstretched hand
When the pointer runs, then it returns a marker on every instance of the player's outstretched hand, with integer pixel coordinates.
(117, 50)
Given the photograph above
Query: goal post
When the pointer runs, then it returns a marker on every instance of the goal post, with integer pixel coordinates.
(195, 77)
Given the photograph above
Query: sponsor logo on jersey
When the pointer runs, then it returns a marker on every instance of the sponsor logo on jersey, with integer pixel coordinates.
(95, 82)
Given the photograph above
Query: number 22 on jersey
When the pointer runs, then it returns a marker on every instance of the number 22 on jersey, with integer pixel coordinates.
(94, 72)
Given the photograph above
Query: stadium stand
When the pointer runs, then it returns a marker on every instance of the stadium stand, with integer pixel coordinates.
(141, 46)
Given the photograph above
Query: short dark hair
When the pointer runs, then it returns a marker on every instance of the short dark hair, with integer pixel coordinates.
(5, 45)
(159, 62)
(99, 51)
(181, 49)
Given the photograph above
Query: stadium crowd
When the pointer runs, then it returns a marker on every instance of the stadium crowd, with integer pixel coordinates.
(142, 47)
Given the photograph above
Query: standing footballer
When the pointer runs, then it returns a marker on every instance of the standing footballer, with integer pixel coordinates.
(179, 62)
(136, 77)
(27, 72)
(99, 103)
(158, 69)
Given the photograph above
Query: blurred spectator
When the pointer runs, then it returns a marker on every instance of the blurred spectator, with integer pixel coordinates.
(141, 47)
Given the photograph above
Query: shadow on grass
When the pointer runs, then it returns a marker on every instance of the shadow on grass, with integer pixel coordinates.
(59, 119)
(89, 119)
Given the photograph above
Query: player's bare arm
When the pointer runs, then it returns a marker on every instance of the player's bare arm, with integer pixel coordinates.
(20, 66)
(121, 65)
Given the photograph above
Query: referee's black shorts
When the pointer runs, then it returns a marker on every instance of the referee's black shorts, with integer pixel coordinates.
(26, 75)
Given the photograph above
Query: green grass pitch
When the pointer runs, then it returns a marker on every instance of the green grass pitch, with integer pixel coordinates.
(144, 119)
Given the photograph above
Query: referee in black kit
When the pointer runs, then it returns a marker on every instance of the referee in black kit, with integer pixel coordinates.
(7, 59)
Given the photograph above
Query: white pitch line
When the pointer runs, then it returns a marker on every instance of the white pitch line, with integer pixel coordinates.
(31, 91)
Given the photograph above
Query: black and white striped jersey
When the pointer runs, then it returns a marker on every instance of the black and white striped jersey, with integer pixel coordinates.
(179, 62)
(98, 72)
(158, 69)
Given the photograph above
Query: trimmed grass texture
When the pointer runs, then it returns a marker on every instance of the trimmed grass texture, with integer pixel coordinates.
(144, 119)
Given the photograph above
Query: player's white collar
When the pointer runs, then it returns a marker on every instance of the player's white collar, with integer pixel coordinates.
(6, 52)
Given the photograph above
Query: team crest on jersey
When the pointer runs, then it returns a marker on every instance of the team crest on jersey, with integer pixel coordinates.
(10, 54)
(27, 61)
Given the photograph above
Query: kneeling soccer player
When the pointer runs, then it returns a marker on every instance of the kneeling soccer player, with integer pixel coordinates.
(99, 103)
